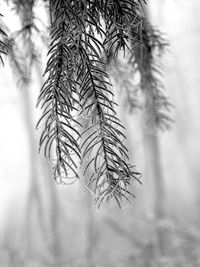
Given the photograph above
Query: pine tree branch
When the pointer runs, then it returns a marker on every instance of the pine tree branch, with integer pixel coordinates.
(77, 79)
(18, 63)
(145, 60)
(58, 94)
(123, 24)
(4, 45)
(112, 173)
(122, 75)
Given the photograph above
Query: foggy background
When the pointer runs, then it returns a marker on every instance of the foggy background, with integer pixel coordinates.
(45, 224)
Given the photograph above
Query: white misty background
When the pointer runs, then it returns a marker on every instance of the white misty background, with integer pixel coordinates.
(44, 224)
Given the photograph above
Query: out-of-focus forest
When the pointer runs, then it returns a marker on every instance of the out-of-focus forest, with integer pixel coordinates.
(46, 224)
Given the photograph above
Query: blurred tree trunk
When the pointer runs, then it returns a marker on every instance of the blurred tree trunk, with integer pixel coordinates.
(42, 225)
(90, 232)
(152, 149)
(34, 201)
(154, 168)
(55, 250)
(53, 205)
(91, 238)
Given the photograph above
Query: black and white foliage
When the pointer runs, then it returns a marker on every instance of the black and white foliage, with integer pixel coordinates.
(4, 47)
(146, 62)
(77, 84)
(59, 92)
(85, 36)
